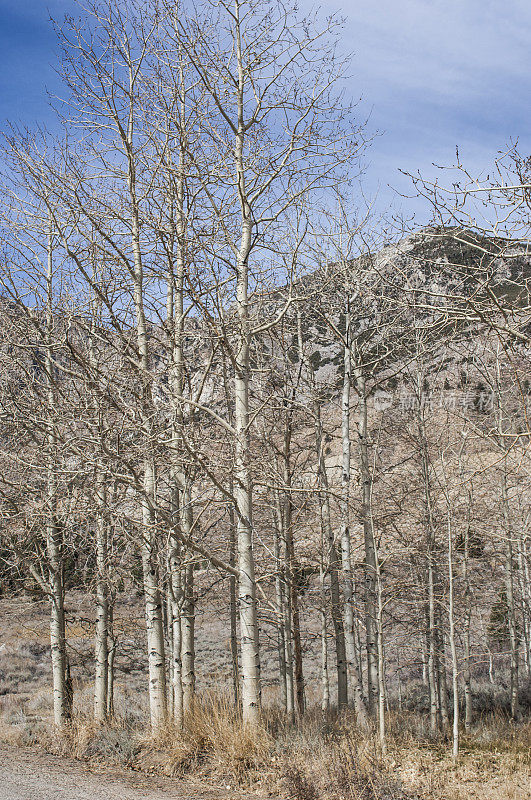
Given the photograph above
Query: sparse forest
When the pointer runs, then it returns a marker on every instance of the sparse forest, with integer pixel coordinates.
(265, 459)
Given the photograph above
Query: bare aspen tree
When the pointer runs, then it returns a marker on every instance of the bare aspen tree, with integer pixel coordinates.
(249, 96)
(468, 597)
(323, 614)
(524, 579)
(343, 237)
(382, 734)
(286, 423)
(453, 648)
(371, 570)
(62, 689)
(110, 94)
(508, 543)
(329, 558)
(30, 270)
(288, 394)
(101, 678)
(451, 606)
(359, 702)
(101, 645)
(285, 668)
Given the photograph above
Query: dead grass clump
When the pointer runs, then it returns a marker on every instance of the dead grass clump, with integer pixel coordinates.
(315, 732)
(501, 736)
(352, 775)
(87, 740)
(299, 786)
(19, 730)
(343, 771)
(214, 740)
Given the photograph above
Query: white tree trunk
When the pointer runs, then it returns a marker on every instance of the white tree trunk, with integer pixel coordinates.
(176, 603)
(280, 609)
(509, 565)
(453, 647)
(371, 567)
(325, 680)
(188, 641)
(250, 653)
(152, 593)
(346, 559)
(382, 736)
(62, 688)
(101, 650)
(233, 606)
(111, 651)
(153, 610)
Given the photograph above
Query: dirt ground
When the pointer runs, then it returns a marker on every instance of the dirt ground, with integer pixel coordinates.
(28, 775)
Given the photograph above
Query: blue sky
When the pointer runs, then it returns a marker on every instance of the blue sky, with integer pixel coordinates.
(432, 74)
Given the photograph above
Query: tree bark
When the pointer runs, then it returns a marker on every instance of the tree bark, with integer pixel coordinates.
(62, 687)
(250, 653)
(346, 560)
(188, 641)
(101, 680)
(371, 567)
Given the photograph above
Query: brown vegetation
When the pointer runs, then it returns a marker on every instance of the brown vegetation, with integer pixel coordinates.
(265, 483)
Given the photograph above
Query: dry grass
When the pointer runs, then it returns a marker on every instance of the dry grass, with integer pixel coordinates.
(323, 758)
(347, 769)
(215, 740)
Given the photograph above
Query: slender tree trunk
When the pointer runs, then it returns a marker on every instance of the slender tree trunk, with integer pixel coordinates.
(509, 589)
(101, 643)
(337, 618)
(250, 657)
(346, 560)
(294, 663)
(441, 667)
(453, 647)
(233, 610)
(102, 605)
(525, 598)
(381, 666)
(370, 546)
(325, 680)
(280, 609)
(333, 563)
(62, 688)
(435, 676)
(288, 658)
(153, 610)
(176, 608)
(250, 653)
(295, 631)
(180, 578)
(111, 654)
(509, 561)
(62, 699)
(432, 656)
(424, 649)
(284, 594)
(152, 594)
(188, 641)
(168, 629)
(187, 609)
(468, 614)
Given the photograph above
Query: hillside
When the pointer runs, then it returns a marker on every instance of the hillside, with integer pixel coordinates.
(414, 551)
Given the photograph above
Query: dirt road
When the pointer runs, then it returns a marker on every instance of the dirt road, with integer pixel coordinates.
(26, 775)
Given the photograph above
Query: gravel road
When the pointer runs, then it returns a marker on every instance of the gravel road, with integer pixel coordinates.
(26, 775)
